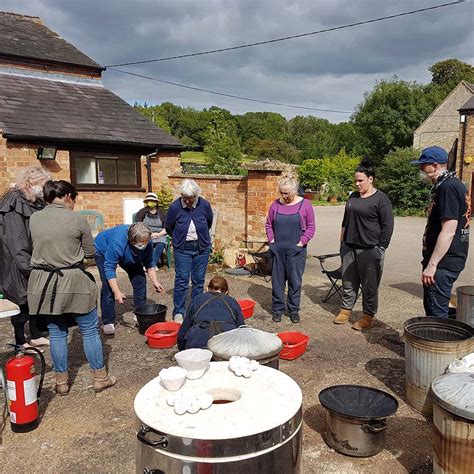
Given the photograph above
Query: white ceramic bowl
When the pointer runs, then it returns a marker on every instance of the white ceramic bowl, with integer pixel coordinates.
(194, 361)
(173, 378)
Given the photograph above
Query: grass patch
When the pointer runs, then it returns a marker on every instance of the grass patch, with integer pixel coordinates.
(317, 202)
(199, 157)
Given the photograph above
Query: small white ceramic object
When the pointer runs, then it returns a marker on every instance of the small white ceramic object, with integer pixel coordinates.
(254, 365)
(195, 361)
(170, 399)
(173, 378)
(180, 407)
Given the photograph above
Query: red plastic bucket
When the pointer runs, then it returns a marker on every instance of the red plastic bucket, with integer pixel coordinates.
(248, 307)
(162, 335)
(294, 344)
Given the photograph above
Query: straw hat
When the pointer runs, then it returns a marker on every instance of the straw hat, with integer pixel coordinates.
(151, 197)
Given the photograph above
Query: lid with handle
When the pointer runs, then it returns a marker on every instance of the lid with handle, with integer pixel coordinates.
(245, 341)
(455, 393)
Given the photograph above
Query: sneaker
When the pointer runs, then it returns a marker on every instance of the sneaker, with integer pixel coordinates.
(178, 318)
(276, 317)
(295, 318)
(41, 341)
(108, 329)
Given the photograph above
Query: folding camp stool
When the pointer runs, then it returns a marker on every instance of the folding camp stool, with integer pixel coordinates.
(263, 264)
(334, 276)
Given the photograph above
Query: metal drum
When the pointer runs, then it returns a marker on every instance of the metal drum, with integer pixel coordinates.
(431, 344)
(453, 423)
(465, 305)
(253, 425)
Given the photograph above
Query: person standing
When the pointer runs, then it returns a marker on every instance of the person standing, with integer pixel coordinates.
(16, 208)
(188, 222)
(446, 236)
(367, 228)
(59, 286)
(154, 216)
(289, 227)
(130, 248)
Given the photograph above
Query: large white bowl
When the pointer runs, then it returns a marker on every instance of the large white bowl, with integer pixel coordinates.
(173, 378)
(194, 361)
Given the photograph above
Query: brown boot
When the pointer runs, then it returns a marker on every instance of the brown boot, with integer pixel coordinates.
(364, 323)
(343, 316)
(102, 380)
(61, 386)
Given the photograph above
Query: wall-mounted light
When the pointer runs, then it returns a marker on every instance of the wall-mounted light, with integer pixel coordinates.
(462, 118)
(46, 153)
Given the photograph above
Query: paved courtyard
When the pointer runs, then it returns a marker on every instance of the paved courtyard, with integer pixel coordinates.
(87, 432)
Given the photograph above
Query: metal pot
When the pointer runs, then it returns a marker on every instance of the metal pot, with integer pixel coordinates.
(356, 418)
(355, 437)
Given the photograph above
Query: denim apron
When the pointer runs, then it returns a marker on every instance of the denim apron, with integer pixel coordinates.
(288, 261)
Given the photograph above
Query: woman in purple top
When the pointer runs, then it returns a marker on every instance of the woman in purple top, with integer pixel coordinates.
(290, 226)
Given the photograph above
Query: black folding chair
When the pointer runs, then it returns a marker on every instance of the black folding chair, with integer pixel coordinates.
(263, 264)
(333, 275)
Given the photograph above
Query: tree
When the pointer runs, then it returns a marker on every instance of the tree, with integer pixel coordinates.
(388, 116)
(400, 180)
(261, 126)
(154, 114)
(273, 149)
(450, 73)
(222, 145)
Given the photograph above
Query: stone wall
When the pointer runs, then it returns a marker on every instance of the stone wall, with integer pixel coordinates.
(465, 157)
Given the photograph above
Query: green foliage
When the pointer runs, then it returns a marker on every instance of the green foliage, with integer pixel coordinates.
(274, 150)
(450, 73)
(333, 175)
(401, 182)
(388, 116)
(216, 258)
(261, 126)
(154, 114)
(165, 196)
(222, 145)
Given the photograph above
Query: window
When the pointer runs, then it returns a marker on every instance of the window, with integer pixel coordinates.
(100, 171)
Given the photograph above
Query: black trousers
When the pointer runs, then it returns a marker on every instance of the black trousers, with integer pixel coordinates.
(19, 321)
(361, 269)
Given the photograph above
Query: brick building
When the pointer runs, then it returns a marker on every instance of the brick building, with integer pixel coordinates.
(465, 156)
(441, 127)
(52, 99)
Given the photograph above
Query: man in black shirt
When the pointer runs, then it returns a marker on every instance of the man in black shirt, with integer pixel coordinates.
(446, 237)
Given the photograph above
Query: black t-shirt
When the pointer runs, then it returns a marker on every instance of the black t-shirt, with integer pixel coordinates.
(451, 201)
(368, 221)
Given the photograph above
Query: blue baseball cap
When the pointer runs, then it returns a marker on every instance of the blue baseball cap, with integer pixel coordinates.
(432, 154)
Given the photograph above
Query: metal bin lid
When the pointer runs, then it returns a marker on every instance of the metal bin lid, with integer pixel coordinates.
(455, 393)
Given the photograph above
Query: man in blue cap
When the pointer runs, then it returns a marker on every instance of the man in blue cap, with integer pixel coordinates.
(446, 237)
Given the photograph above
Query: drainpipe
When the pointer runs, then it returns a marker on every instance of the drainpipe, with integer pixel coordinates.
(148, 169)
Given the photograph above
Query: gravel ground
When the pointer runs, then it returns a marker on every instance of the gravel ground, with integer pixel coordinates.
(88, 432)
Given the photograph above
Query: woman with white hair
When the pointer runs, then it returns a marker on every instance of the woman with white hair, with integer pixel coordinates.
(188, 222)
(290, 226)
(16, 207)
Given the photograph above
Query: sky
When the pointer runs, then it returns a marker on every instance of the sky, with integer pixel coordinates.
(328, 71)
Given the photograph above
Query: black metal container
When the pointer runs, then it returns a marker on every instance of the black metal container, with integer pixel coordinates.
(356, 418)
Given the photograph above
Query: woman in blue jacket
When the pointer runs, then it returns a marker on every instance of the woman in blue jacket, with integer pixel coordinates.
(188, 222)
(216, 308)
(131, 248)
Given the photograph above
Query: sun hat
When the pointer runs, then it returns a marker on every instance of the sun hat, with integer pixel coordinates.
(151, 197)
(432, 154)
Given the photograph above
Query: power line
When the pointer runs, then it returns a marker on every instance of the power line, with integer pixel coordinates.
(228, 95)
(286, 38)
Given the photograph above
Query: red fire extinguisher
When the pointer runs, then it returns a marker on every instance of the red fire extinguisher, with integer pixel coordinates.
(21, 392)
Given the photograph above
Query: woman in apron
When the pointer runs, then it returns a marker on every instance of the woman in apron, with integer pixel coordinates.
(154, 217)
(290, 226)
(59, 286)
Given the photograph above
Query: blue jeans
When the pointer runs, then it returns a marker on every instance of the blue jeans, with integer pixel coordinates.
(436, 298)
(157, 252)
(137, 278)
(189, 262)
(89, 327)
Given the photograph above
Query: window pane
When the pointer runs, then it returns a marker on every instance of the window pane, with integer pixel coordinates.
(107, 171)
(85, 171)
(127, 172)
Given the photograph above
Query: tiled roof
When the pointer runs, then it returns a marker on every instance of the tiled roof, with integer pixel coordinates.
(27, 38)
(469, 105)
(32, 108)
